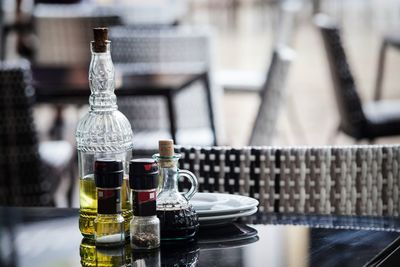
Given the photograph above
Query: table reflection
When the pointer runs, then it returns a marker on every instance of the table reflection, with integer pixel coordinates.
(50, 237)
(180, 254)
(146, 258)
(91, 255)
(184, 254)
(273, 246)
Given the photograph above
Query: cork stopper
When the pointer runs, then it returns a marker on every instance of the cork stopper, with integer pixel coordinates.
(100, 40)
(166, 148)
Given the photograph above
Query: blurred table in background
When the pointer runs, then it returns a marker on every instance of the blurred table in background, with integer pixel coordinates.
(70, 86)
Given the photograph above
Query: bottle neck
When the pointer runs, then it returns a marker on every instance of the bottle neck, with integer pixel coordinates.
(169, 176)
(168, 167)
(101, 81)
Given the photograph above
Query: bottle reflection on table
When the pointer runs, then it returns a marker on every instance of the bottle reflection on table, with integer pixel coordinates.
(185, 254)
(182, 254)
(146, 258)
(176, 254)
(92, 256)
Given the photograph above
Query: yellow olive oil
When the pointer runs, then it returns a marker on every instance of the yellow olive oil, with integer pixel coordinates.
(87, 251)
(88, 204)
(103, 257)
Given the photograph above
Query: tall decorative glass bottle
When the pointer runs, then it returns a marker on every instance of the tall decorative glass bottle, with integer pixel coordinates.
(104, 132)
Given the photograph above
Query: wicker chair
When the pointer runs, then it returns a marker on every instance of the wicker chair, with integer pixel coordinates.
(390, 40)
(272, 94)
(359, 120)
(29, 172)
(353, 180)
(165, 50)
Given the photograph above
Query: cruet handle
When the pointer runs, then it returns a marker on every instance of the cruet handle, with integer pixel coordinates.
(193, 180)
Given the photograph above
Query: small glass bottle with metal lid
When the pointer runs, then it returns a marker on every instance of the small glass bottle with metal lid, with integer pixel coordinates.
(109, 223)
(145, 226)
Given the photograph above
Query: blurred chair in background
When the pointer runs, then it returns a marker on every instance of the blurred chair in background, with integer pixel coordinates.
(23, 26)
(167, 50)
(272, 97)
(29, 172)
(360, 121)
(270, 84)
(390, 40)
(285, 25)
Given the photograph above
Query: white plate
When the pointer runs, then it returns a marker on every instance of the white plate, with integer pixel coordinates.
(222, 219)
(208, 204)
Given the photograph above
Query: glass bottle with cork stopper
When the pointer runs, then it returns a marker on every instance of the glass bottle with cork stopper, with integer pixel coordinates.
(103, 132)
(178, 219)
(109, 223)
(145, 226)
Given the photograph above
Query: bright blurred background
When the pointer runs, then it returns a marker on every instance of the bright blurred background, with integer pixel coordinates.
(241, 36)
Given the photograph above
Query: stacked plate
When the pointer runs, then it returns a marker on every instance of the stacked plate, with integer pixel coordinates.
(216, 208)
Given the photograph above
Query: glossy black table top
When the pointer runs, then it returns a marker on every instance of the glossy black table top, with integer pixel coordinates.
(50, 237)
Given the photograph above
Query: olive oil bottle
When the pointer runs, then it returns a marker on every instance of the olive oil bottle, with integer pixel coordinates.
(104, 132)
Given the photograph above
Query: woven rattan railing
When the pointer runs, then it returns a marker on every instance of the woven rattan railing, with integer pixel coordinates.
(352, 180)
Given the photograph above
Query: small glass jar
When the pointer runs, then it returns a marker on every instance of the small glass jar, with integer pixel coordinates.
(145, 232)
(109, 223)
(109, 230)
(145, 226)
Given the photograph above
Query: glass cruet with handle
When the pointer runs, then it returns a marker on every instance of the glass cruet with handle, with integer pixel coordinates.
(178, 219)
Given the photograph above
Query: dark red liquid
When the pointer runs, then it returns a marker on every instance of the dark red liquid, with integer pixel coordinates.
(176, 224)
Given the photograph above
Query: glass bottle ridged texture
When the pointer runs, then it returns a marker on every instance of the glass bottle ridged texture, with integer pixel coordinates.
(104, 132)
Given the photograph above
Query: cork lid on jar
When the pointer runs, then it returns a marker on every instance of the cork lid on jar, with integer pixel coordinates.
(166, 148)
(100, 39)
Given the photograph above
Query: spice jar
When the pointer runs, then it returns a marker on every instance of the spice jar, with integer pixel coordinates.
(109, 223)
(145, 226)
